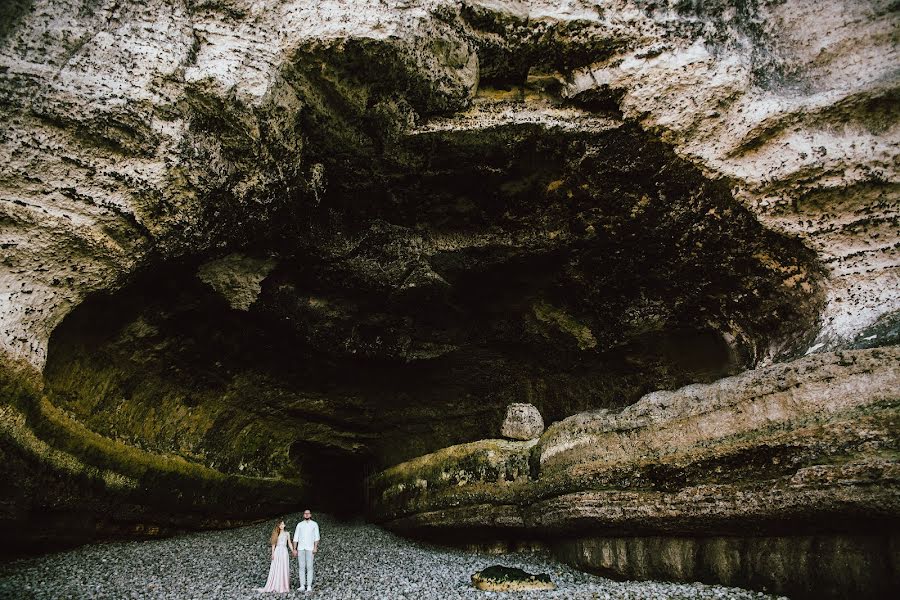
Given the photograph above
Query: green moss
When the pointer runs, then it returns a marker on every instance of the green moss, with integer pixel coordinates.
(155, 472)
(32, 427)
(160, 416)
(482, 471)
(566, 323)
(499, 573)
(20, 382)
(481, 460)
(16, 436)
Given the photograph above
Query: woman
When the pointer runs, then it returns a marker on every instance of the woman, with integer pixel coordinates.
(280, 571)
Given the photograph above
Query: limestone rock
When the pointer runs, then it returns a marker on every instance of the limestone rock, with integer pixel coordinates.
(849, 565)
(412, 487)
(509, 579)
(685, 474)
(522, 422)
(149, 130)
(761, 446)
(237, 278)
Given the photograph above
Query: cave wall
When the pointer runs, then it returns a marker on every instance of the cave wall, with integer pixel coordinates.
(782, 479)
(155, 129)
(565, 286)
(64, 484)
(861, 565)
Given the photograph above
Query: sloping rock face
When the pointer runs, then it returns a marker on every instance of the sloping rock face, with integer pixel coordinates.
(257, 250)
(783, 478)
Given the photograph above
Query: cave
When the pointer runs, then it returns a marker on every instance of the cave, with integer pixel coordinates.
(248, 271)
(600, 275)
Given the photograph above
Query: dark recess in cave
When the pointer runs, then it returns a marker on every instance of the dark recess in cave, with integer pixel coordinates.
(439, 281)
(337, 479)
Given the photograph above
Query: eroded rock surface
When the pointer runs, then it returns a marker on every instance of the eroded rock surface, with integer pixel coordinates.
(761, 460)
(236, 278)
(167, 129)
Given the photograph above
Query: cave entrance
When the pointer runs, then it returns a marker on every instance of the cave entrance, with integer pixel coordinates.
(464, 270)
(336, 478)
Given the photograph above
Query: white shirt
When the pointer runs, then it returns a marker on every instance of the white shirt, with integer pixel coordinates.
(306, 535)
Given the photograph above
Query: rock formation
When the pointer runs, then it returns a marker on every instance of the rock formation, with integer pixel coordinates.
(522, 422)
(257, 251)
(782, 478)
(504, 579)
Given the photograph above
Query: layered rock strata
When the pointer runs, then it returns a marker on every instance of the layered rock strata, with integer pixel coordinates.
(783, 478)
(64, 484)
(156, 129)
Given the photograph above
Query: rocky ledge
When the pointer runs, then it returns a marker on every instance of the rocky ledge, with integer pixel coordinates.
(742, 482)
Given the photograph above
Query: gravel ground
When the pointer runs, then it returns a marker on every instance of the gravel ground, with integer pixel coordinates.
(355, 560)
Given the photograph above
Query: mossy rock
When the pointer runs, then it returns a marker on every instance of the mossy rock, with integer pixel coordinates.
(509, 579)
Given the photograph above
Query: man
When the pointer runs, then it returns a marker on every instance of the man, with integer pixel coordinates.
(306, 538)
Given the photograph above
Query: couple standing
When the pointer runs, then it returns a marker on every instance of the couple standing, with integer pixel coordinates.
(306, 536)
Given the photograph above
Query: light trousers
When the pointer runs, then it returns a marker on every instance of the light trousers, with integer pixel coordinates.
(305, 566)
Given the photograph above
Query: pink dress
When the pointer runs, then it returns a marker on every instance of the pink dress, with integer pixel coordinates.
(280, 572)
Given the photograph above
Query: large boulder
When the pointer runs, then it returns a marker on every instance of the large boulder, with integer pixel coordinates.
(522, 422)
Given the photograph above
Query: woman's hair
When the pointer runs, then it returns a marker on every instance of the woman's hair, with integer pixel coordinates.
(274, 537)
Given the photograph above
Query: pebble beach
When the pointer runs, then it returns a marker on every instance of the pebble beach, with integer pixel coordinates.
(355, 560)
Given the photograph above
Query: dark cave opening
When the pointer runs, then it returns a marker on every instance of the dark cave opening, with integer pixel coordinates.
(336, 478)
(168, 342)
(436, 284)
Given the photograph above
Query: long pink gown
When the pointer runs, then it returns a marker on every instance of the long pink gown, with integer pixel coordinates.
(280, 572)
